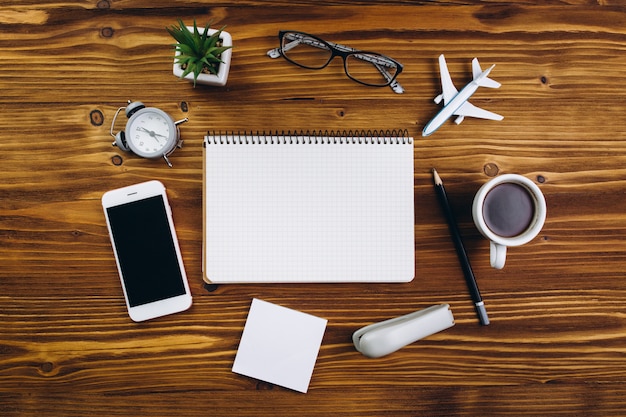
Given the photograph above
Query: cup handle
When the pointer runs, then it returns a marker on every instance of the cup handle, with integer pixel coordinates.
(497, 255)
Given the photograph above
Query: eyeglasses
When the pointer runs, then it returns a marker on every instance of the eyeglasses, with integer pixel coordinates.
(368, 68)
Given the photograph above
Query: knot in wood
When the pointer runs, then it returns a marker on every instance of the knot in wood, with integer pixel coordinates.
(491, 169)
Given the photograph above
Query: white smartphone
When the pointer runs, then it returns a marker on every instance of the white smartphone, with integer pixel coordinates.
(146, 250)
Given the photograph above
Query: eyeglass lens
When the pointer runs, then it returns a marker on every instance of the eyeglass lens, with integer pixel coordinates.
(365, 67)
(305, 51)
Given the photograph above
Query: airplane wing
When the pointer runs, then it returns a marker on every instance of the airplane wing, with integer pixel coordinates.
(448, 88)
(468, 109)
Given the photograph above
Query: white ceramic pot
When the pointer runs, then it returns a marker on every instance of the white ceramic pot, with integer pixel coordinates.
(221, 77)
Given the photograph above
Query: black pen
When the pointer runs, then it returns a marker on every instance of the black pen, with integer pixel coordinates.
(460, 250)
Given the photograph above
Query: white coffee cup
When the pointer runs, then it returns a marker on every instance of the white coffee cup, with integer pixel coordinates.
(509, 210)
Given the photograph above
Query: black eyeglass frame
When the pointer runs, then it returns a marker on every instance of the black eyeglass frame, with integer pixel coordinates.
(379, 61)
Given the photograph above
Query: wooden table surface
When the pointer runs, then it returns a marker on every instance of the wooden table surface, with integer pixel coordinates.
(557, 341)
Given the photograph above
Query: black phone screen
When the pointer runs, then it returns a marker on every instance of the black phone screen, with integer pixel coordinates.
(145, 250)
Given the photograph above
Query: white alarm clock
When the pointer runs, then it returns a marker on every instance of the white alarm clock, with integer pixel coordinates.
(150, 132)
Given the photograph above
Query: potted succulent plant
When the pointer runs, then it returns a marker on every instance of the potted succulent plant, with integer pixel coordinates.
(202, 57)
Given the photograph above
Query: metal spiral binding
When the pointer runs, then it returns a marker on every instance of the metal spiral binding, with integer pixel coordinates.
(326, 137)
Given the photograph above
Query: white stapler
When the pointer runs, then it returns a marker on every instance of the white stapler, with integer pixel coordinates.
(380, 339)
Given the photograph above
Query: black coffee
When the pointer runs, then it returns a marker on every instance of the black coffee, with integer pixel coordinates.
(508, 209)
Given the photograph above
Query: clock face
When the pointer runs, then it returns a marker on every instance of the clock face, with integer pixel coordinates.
(151, 133)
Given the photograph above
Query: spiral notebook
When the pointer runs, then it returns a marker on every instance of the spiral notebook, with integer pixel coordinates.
(308, 207)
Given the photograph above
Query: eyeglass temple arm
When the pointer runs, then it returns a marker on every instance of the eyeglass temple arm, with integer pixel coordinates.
(394, 85)
(275, 53)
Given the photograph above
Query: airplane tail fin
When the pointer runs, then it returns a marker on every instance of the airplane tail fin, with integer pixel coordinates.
(481, 76)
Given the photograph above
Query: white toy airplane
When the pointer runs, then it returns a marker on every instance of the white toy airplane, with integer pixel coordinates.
(455, 102)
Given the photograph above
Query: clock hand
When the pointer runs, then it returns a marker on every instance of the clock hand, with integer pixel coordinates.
(151, 133)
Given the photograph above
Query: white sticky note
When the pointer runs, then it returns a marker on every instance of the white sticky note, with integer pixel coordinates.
(279, 345)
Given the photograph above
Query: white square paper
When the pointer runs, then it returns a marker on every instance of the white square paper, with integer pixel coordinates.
(279, 345)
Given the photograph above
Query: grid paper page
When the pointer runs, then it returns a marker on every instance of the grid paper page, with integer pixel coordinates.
(287, 211)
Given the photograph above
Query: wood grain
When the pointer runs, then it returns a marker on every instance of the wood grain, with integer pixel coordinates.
(557, 342)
